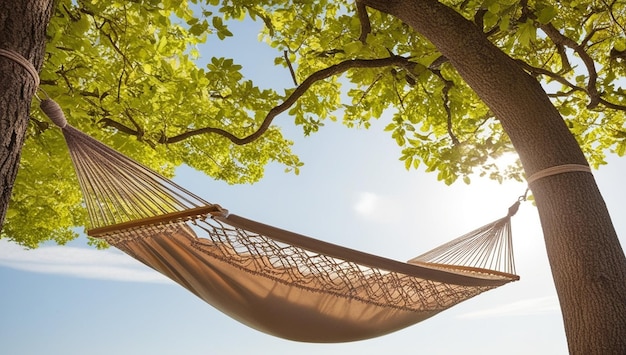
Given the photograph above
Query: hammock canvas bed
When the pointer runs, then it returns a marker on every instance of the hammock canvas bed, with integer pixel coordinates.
(281, 283)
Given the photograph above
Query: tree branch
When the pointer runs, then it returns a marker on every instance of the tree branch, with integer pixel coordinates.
(295, 95)
(446, 104)
(369, 88)
(592, 91)
(366, 26)
(560, 39)
(612, 105)
(119, 126)
(540, 71)
(291, 71)
(140, 131)
(610, 7)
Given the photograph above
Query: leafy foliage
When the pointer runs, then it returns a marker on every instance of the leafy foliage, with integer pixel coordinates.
(435, 117)
(126, 73)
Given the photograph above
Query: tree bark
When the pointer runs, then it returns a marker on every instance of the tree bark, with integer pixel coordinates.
(22, 30)
(587, 261)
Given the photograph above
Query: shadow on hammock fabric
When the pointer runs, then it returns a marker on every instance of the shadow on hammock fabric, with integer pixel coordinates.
(281, 283)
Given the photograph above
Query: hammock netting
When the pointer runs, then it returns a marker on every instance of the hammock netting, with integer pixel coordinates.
(275, 281)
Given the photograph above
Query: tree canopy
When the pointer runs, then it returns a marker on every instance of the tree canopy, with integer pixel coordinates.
(126, 73)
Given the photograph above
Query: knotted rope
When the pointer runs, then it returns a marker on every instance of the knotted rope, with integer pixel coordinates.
(54, 112)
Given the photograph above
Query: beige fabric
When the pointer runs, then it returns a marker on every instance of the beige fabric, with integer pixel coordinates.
(306, 296)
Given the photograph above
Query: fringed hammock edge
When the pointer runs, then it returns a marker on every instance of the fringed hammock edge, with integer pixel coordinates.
(281, 283)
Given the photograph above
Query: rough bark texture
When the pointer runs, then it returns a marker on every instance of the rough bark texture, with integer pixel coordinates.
(22, 29)
(587, 261)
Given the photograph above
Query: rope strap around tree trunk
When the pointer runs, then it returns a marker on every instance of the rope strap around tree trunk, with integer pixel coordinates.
(559, 169)
(48, 106)
(19, 59)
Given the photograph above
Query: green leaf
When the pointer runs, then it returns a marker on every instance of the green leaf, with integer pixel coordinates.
(390, 127)
(526, 33)
(217, 22)
(505, 23)
(408, 162)
(353, 47)
(547, 14)
(620, 44)
(621, 148)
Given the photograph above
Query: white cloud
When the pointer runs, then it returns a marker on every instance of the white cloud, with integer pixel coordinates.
(382, 209)
(532, 306)
(78, 262)
(366, 203)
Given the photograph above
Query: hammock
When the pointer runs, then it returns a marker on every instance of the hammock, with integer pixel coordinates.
(275, 281)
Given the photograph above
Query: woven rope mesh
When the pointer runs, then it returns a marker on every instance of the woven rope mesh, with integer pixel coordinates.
(259, 255)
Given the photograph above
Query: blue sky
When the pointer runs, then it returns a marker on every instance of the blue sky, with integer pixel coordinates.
(352, 191)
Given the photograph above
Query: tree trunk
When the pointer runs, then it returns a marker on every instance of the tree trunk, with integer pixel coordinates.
(22, 30)
(587, 261)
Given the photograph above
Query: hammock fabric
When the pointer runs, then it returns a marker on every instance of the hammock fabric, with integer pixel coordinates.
(275, 281)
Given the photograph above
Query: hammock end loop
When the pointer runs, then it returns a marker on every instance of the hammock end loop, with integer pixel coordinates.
(54, 112)
(513, 209)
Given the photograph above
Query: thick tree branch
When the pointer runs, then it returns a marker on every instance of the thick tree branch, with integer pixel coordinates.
(366, 26)
(119, 126)
(295, 95)
(137, 132)
(612, 105)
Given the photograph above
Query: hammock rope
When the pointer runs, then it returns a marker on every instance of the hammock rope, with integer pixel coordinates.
(487, 247)
(275, 281)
